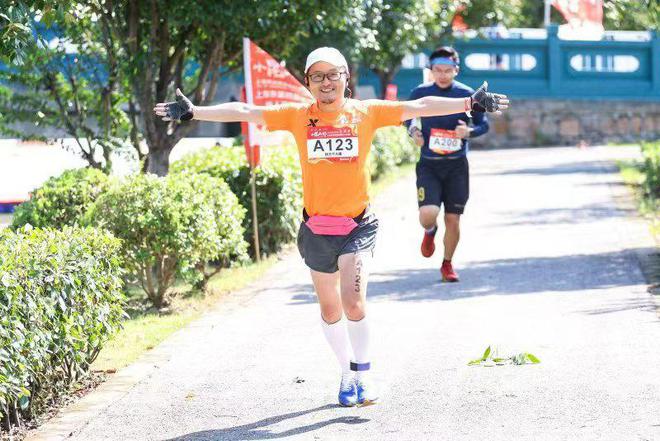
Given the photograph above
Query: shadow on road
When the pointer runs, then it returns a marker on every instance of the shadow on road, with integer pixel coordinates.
(565, 215)
(628, 305)
(257, 429)
(569, 274)
(594, 167)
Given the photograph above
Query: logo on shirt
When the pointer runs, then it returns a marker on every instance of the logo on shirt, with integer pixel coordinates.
(312, 122)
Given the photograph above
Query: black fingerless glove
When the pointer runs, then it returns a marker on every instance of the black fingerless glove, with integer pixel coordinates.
(484, 101)
(181, 109)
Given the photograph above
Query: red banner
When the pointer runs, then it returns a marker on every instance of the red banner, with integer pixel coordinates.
(267, 82)
(391, 92)
(584, 17)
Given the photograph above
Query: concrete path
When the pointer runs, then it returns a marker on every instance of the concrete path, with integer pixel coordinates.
(549, 265)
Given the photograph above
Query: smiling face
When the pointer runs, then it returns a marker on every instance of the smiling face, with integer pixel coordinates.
(444, 74)
(327, 91)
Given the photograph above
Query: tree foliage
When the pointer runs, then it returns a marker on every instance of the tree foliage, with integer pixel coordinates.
(69, 81)
(113, 61)
(191, 45)
(400, 27)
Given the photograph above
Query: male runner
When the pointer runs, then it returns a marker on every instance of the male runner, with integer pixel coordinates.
(338, 233)
(442, 170)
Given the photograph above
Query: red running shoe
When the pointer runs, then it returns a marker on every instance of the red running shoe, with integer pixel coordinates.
(428, 243)
(448, 273)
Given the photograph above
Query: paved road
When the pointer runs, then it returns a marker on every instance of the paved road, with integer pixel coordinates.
(548, 262)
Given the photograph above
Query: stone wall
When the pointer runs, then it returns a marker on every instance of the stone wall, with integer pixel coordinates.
(529, 122)
(539, 122)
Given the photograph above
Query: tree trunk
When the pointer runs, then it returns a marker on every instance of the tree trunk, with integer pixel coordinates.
(296, 72)
(5, 421)
(158, 68)
(135, 136)
(386, 78)
(159, 139)
(201, 269)
(353, 80)
(158, 161)
(15, 417)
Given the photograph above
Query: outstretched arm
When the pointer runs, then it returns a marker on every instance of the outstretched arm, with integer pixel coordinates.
(184, 110)
(481, 101)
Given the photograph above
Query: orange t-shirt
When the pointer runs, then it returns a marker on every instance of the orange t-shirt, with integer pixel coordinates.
(333, 149)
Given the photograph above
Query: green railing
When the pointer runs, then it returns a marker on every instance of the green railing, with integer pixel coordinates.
(555, 68)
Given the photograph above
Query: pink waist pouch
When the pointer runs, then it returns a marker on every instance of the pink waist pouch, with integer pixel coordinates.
(331, 225)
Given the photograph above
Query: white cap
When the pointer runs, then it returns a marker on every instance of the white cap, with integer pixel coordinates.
(327, 54)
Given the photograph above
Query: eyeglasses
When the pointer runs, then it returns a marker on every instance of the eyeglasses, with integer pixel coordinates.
(318, 77)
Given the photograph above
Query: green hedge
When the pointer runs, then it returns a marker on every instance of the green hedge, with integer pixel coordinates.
(278, 183)
(651, 168)
(391, 147)
(171, 226)
(60, 300)
(62, 200)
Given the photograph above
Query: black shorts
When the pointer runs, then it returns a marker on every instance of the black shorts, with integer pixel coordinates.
(443, 181)
(321, 253)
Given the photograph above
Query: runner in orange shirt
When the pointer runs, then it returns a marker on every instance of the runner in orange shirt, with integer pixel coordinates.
(338, 233)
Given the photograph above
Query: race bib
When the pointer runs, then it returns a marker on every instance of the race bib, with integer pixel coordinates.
(444, 142)
(332, 143)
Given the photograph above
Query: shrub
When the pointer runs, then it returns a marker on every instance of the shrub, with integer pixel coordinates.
(651, 168)
(278, 184)
(62, 200)
(60, 301)
(169, 226)
(391, 147)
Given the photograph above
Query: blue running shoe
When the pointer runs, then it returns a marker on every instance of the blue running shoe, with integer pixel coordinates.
(348, 390)
(367, 393)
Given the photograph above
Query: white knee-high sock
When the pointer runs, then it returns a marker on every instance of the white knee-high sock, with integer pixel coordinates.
(337, 337)
(358, 332)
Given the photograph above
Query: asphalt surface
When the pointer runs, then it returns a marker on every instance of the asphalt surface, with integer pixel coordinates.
(548, 262)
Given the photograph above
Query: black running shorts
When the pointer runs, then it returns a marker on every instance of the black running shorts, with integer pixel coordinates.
(321, 253)
(443, 181)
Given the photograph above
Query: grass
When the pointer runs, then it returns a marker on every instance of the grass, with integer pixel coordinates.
(643, 176)
(640, 175)
(147, 327)
(623, 144)
(633, 175)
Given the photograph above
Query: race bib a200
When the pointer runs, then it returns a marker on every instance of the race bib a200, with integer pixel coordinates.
(444, 142)
(332, 143)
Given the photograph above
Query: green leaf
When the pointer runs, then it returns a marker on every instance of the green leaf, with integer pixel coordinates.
(533, 358)
(486, 353)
